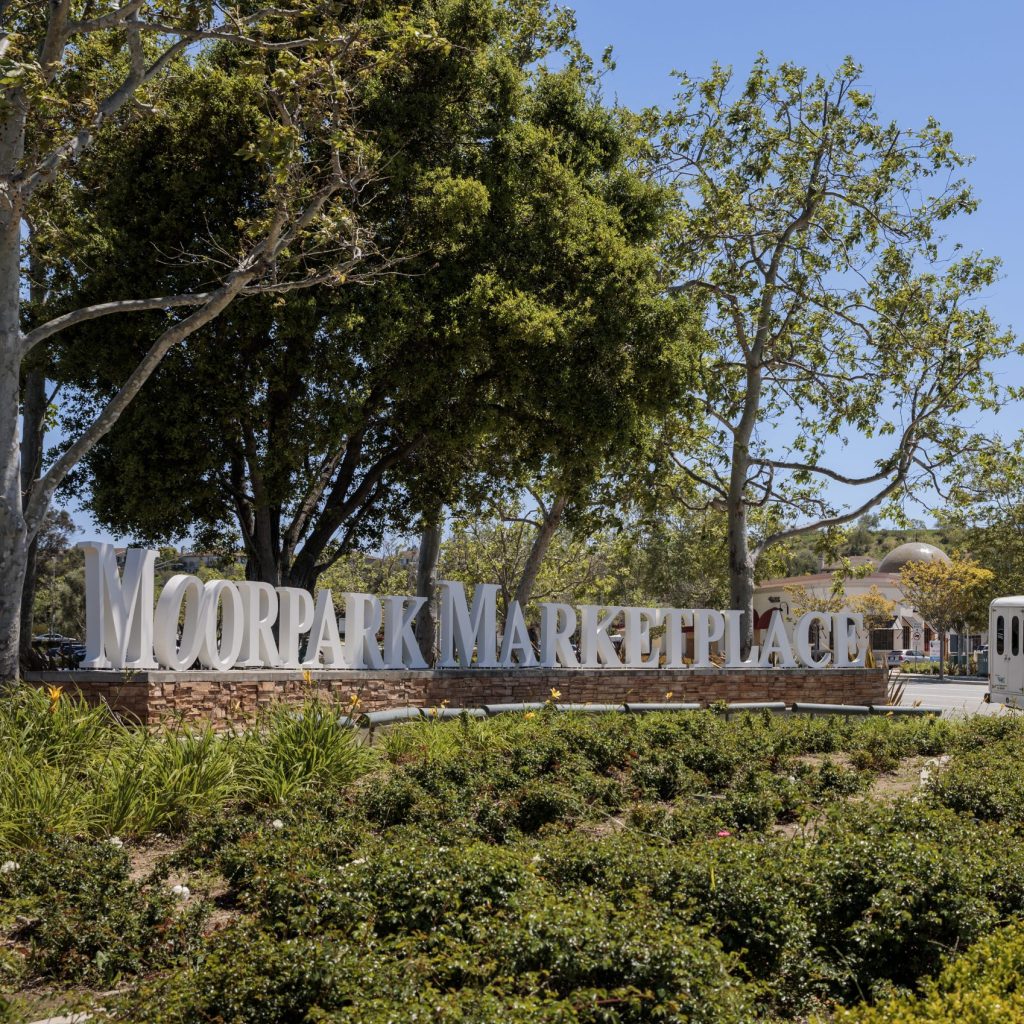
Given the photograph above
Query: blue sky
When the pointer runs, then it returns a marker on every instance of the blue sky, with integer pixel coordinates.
(959, 62)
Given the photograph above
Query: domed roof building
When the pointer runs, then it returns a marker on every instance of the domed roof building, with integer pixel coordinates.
(906, 631)
(915, 551)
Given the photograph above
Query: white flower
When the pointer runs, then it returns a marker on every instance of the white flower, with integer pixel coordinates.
(277, 823)
(9, 867)
(115, 841)
(183, 892)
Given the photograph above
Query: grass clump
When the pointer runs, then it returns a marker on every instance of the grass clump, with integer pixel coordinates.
(67, 769)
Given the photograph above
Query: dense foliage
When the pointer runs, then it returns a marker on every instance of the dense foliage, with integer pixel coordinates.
(544, 867)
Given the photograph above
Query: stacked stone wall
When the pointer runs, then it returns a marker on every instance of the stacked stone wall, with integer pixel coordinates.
(235, 697)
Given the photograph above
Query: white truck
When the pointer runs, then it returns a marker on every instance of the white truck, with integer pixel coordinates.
(1006, 651)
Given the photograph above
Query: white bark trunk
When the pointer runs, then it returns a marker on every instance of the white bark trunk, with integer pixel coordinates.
(741, 573)
(14, 539)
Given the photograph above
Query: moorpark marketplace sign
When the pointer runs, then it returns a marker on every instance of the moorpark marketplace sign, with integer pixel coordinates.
(224, 625)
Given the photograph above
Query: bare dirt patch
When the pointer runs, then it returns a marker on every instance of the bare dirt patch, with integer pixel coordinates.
(145, 859)
(839, 759)
(907, 779)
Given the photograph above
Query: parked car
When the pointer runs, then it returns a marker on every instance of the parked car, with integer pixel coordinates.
(897, 657)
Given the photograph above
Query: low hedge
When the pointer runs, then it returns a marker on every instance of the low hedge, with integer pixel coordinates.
(983, 986)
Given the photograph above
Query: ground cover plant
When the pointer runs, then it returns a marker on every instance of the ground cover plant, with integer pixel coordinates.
(534, 867)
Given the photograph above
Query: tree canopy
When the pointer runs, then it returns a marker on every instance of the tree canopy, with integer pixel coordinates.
(809, 238)
(77, 74)
(523, 327)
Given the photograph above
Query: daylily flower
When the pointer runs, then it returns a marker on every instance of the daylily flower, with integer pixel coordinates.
(556, 694)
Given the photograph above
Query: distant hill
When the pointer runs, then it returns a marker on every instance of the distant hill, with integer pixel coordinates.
(869, 540)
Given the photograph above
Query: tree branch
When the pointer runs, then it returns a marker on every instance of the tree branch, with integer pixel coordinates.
(256, 262)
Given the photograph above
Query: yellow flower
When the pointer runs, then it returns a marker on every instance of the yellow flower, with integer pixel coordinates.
(54, 692)
(307, 677)
(444, 703)
(354, 700)
(530, 714)
(668, 695)
(556, 694)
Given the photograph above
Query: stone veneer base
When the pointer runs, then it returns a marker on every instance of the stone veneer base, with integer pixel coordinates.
(225, 698)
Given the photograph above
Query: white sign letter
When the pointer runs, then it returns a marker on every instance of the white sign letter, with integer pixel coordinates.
(557, 625)
(400, 647)
(802, 637)
(259, 604)
(187, 590)
(846, 628)
(734, 644)
(363, 614)
(776, 642)
(323, 635)
(708, 626)
(295, 617)
(221, 653)
(119, 613)
(596, 647)
(461, 626)
(516, 640)
(637, 637)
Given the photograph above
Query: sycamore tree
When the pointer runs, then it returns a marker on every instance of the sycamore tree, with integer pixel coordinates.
(949, 596)
(808, 238)
(76, 72)
(986, 501)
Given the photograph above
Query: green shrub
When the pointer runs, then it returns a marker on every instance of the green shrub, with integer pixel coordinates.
(83, 920)
(568, 867)
(984, 782)
(980, 987)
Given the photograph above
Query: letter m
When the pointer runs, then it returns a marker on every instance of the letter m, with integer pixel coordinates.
(463, 627)
(118, 611)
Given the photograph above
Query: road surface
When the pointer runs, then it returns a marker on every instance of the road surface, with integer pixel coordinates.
(953, 698)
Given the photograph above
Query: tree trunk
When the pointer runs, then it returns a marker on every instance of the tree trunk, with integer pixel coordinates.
(263, 563)
(14, 539)
(741, 573)
(32, 433)
(426, 586)
(541, 543)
